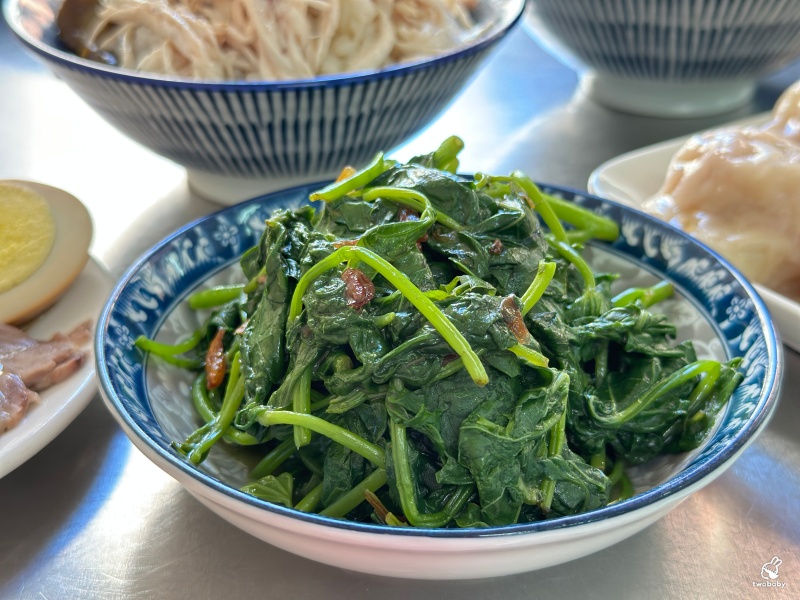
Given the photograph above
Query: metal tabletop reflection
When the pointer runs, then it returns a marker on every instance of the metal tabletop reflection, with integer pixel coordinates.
(90, 517)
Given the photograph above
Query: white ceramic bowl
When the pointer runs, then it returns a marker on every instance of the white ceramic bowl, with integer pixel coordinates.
(676, 58)
(715, 307)
(242, 138)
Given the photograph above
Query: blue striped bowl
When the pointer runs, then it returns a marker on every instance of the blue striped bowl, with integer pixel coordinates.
(689, 54)
(241, 138)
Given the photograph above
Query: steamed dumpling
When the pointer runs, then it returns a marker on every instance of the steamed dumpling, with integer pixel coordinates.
(738, 190)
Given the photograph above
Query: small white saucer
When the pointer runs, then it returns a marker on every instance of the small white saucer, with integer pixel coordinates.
(674, 100)
(64, 401)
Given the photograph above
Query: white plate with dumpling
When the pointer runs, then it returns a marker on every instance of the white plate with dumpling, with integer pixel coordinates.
(638, 178)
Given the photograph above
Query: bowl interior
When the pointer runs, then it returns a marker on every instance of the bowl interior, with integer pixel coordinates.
(715, 307)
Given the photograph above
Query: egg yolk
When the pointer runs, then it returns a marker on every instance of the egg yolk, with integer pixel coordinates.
(27, 234)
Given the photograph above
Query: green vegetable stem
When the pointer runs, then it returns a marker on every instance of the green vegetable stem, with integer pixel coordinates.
(540, 203)
(555, 446)
(446, 156)
(342, 506)
(338, 434)
(197, 445)
(537, 287)
(708, 370)
(208, 413)
(587, 224)
(274, 459)
(169, 353)
(339, 188)
(216, 296)
(412, 199)
(301, 403)
(405, 486)
(645, 296)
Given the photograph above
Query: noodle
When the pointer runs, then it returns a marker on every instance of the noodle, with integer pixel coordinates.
(275, 39)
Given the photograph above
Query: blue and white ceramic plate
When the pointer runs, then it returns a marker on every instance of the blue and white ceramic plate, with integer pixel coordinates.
(714, 306)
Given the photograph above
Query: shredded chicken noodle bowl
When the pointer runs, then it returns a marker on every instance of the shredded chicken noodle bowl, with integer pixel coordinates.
(267, 39)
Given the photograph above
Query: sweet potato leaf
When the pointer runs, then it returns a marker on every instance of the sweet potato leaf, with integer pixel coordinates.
(440, 345)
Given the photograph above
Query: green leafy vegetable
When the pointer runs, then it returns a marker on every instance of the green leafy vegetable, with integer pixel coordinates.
(423, 349)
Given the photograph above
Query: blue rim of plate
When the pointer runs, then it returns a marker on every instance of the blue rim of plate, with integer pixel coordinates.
(732, 304)
(11, 9)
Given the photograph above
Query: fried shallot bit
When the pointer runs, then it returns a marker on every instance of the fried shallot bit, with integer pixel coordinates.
(341, 243)
(528, 201)
(448, 358)
(383, 513)
(359, 289)
(496, 247)
(513, 318)
(215, 361)
(347, 173)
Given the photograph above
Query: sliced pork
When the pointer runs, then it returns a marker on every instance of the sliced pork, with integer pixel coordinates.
(15, 399)
(28, 366)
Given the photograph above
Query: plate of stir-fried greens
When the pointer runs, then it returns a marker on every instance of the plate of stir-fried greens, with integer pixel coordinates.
(414, 372)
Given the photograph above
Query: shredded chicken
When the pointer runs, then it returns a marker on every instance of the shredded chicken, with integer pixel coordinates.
(275, 39)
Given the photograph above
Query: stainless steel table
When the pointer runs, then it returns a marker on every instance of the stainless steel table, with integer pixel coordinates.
(90, 517)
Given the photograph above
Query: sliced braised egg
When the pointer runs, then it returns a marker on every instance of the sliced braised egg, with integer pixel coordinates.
(45, 235)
